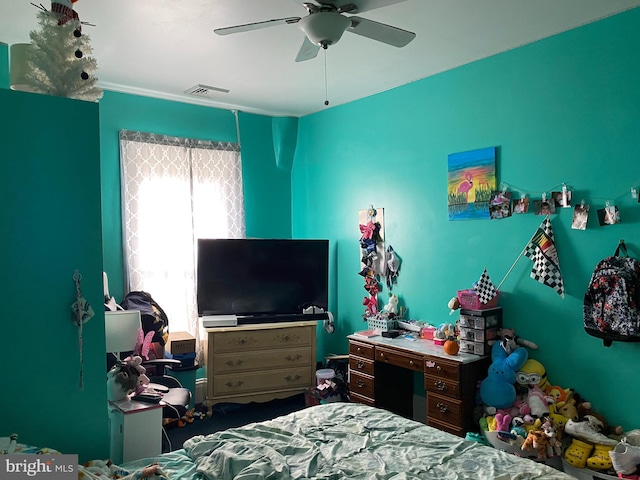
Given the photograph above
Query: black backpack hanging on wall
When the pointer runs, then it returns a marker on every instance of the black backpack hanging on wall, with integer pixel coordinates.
(612, 299)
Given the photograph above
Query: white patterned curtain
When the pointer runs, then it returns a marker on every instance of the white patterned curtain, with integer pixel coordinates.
(175, 191)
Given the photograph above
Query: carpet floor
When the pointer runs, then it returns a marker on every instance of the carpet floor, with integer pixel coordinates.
(229, 415)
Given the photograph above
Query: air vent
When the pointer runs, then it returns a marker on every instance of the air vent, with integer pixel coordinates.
(205, 91)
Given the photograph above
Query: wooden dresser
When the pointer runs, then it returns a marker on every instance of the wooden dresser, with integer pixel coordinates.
(258, 363)
(381, 372)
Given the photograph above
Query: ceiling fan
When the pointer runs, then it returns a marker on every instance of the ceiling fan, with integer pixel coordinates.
(326, 22)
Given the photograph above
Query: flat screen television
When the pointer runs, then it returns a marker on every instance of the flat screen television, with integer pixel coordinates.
(261, 278)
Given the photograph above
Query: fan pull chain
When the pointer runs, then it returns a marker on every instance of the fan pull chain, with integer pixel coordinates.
(326, 88)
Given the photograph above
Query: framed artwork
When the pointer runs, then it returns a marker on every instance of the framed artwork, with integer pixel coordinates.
(471, 181)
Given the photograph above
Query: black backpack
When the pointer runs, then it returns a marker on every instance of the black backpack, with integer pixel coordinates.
(153, 317)
(612, 299)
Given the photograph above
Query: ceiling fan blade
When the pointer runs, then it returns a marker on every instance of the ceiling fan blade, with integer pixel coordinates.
(308, 50)
(255, 26)
(353, 6)
(379, 31)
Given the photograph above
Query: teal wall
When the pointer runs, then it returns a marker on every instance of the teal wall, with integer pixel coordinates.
(564, 109)
(50, 226)
(267, 187)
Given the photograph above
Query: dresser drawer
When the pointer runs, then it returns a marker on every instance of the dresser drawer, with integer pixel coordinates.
(246, 340)
(361, 350)
(444, 409)
(361, 365)
(244, 361)
(442, 385)
(361, 385)
(400, 359)
(442, 368)
(261, 380)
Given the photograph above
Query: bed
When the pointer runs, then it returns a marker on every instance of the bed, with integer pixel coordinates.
(336, 441)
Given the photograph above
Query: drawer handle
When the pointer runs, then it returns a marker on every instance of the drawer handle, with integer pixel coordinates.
(439, 368)
(410, 362)
(358, 349)
(289, 378)
(230, 363)
(234, 385)
(381, 355)
(360, 364)
(440, 385)
(289, 358)
(360, 384)
(443, 407)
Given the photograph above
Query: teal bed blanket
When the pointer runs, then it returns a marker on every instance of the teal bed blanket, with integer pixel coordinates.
(351, 441)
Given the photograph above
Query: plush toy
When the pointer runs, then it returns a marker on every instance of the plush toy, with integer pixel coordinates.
(536, 440)
(568, 408)
(498, 389)
(558, 420)
(392, 306)
(517, 428)
(532, 373)
(558, 394)
(538, 403)
(554, 446)
(136, 363)
(510, 341)
(454, 304)
(584, 409)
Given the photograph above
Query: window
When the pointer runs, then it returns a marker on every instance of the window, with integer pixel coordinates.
(175, 191)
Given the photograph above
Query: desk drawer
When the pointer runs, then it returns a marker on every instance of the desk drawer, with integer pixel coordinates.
(355, 398)
(445, 427)
(261, 360)
(441, 385)
(361, 385)
(361, 350)
(248, 340)
(361, 365)
(261, 381)
(442, 368)
(444, 409)
(400, 359)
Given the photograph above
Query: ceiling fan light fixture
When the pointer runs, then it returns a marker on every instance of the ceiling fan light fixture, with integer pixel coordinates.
(324, 28)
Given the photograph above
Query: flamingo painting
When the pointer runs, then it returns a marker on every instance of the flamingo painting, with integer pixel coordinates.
(466, 185)
(471, 180)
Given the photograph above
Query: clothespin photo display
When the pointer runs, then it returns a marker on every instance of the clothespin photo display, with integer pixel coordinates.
(609, 215)
(580, 216)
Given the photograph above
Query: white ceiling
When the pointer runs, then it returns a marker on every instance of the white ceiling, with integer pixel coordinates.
(161, 48)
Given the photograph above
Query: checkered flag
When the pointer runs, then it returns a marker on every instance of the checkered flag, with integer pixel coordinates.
(542, 251)
(485, 289)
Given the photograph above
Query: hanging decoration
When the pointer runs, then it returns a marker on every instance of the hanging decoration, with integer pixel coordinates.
(392, 268)
(580, 216)
(541, 249)
(372, 258)
(82, 313)
(59, 59)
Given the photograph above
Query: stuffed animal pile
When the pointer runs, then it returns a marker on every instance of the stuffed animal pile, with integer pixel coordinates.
(524, 409)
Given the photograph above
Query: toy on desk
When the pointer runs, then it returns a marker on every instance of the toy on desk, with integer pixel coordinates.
(392, 305)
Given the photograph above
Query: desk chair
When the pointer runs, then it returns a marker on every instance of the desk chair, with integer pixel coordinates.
(121, 329)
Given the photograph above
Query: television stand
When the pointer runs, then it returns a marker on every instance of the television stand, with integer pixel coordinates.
(259, 362)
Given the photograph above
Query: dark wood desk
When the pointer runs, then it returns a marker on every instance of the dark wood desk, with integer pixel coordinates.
(381, 374)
